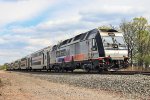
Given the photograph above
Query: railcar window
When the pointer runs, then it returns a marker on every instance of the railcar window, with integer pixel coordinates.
(40, 53)
(54, 47)
(22, 65)
(34, 55)
(77, 37)
(61, 53)
(16, 61)
(64, 42)
(69, 40)
(58, 53)
(83, 36)
(37, 54)
(23, 59)
(36, 63)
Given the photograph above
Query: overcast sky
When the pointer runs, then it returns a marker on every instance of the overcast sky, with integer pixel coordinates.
(29, 25)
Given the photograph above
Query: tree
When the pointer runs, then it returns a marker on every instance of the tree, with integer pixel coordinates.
(137, 36)
(108, 27)
(129, 31)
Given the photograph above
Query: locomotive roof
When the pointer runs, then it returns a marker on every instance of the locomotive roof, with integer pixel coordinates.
(16, 61)
(78, 37)
(41, 50)
(23, 58)
(67, 41)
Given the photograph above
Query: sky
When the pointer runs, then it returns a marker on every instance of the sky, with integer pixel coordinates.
(29, 25)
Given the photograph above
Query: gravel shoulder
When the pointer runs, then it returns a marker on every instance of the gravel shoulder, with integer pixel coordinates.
(128, 86)
(20, 86)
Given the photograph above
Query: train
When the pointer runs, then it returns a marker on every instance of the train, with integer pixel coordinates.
(95, 50)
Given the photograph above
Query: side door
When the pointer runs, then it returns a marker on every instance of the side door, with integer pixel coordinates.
(72, 51)
(89, 42)
(44, 59)
(92, 49)
(28, 63)
(48, 59)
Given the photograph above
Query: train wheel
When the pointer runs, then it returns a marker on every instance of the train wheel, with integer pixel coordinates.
(34, 70)
(62, 70)
(88, 70)
(66, 70)
(72, 70)
(30, 69)
(100, 70)
(57, 69)
(105, 69)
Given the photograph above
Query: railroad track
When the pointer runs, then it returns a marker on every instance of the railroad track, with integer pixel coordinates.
(128, 72)
(84, 72)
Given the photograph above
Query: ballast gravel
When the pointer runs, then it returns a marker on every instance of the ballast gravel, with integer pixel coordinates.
(131, 86)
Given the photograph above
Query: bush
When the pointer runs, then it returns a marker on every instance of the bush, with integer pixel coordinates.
(2, 67)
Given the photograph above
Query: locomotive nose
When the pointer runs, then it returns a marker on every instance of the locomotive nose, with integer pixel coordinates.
(114, 45)
(116, 54)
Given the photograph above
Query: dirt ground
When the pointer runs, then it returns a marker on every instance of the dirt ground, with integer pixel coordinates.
(21, 87)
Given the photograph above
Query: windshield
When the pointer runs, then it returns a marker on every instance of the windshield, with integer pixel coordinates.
(119, 40)
(107, 39)
(109, 42)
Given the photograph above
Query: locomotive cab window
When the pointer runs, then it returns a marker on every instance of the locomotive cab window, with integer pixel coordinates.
(94, 46)
(119, 40)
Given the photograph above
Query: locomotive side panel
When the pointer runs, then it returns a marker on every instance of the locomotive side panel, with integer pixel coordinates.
(84, 49)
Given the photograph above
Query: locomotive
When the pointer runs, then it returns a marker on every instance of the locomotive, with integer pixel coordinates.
(97, 49)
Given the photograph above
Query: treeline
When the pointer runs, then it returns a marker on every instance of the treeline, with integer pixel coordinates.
(137, 37)
(3, 67)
